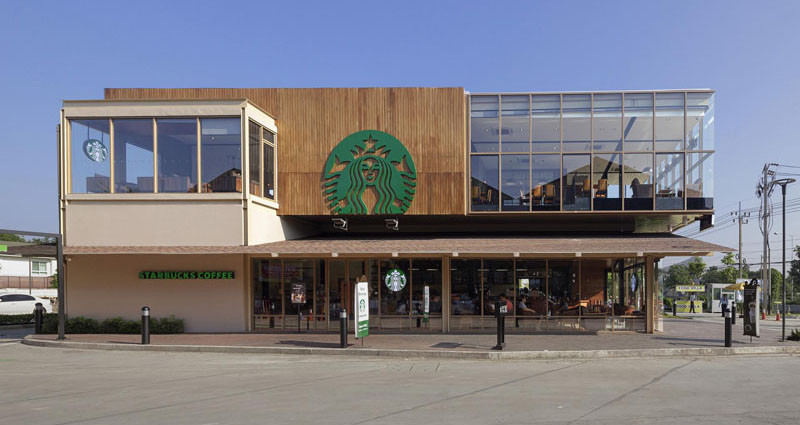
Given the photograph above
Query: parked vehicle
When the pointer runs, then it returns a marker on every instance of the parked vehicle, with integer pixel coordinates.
(22, 304)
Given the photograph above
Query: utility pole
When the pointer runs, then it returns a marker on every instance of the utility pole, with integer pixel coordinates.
(764, 190)
(741, 219)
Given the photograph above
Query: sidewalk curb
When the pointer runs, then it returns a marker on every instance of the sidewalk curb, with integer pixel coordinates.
(443, 354)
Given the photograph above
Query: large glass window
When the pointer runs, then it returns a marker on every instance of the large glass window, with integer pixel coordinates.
(177, 155)
(577, 122)
(669, 121)
(484, 124)
(267, 293)
(546, 178)
(700, 181)
(485, 182)
(531, 288)
(607, 181)
(669, 181)
(638, 181)
(427, 272)
(563, 285)
(254, 148)
(395, 299)
(546, 123)
(700, 121)
(516, 182)
(498, 285)
(269, 164)
(515, 119)
(638, 123)
(221, 144)
(465, 283)
(298, 275)
(607, 122)
(91, 159)
(577, 184)
(133, 155)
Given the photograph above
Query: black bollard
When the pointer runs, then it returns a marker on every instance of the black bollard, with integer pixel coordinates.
(501, 339)
(733, 314)
(674, 307)
(38, 314)
(145, 325)
(343, 329)
(727, 328)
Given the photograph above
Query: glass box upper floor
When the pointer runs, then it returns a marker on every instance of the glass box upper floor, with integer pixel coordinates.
(175, 147)
(593, 151)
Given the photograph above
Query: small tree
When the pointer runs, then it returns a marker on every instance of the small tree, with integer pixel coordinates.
(729, 270)
(696, 268)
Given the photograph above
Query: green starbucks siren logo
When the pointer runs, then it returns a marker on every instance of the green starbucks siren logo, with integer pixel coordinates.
(369, 160)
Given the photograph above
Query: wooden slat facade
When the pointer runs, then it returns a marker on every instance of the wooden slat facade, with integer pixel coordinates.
(430, 122)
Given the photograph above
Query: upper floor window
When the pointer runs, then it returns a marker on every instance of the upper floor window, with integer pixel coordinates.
(262, 161)
(156, 155)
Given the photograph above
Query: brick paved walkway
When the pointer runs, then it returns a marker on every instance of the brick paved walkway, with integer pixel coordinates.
(679, 333)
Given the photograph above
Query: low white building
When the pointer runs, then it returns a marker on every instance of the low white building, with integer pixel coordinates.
(26, 266)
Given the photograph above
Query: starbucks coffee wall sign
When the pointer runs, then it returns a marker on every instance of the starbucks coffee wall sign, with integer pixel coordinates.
(369, 161)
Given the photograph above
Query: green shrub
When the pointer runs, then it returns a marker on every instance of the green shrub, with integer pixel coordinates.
(794, 336)
(118, 325)
(81, 325)
(15, 319)
(112, 325)
(166, 325)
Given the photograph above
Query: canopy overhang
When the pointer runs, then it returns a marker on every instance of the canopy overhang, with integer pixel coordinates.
(570, 246)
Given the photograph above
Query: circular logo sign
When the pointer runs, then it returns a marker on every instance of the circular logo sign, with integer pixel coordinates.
(395, 280)
(369, 161)
(95, 150)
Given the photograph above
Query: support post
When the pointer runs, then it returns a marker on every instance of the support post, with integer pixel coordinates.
(727, 328)
(650, 295)
(145, 325)
(343, 329)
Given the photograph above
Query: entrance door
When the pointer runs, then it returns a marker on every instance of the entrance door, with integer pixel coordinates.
(343, 277)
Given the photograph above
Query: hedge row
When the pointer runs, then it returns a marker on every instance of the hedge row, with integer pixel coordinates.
(15, 319)
(113, 325)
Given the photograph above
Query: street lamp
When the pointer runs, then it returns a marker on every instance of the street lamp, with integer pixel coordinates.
(784, 183)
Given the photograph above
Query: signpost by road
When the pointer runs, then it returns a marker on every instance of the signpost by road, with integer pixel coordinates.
(299, 297)
(426, 297)
(752, 308)
(362, 310)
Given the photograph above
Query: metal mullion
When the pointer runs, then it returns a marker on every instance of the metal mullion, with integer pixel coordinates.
(530, 153)
(561, 150)
(313, 291)
(546, 291)
(653, 145)
(683, 171)
(622, 154)
(410, 292)
(500, 153)
(111, 181)
(199, 170)
(591, 152)
(380, 310)
(155, 155)
(482, 293)
(282, 296)
(262, 181)
(327, 294)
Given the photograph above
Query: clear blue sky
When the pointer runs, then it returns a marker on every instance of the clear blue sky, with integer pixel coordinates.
(746, 51)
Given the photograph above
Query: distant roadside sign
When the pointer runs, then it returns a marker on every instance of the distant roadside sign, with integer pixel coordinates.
(690, 288)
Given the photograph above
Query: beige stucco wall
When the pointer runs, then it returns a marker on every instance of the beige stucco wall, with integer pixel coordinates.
(102, 286)
(161, 222)
(264, 225)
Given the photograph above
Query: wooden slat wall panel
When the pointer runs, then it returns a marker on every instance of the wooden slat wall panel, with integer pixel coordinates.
(429, 121)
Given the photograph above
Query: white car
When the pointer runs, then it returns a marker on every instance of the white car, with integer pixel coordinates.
(22, 304)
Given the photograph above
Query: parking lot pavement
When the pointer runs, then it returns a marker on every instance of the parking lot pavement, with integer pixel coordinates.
(65, 386)
(14, 333)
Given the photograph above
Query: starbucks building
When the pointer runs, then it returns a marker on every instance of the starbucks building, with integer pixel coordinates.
(260, 210)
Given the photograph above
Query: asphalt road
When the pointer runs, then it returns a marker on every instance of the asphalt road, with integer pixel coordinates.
(67, 386)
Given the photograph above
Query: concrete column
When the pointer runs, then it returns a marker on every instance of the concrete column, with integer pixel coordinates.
(649, 291)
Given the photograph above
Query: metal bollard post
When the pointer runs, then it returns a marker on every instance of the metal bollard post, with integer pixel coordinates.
(145, 325)
(500, 323)
(343, 329)
(727, 328)
(674, 307)
(733, 314)
(38, 312)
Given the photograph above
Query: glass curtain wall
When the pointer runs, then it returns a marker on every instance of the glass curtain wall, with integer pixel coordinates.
(636, 145)
(221, 154)
(465, 293)
(426, 273)
(177, 155)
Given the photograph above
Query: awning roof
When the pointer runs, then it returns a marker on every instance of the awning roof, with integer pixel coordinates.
(392, 245)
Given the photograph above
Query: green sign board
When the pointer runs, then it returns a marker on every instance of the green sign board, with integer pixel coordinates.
(362, 309)
(369, 160)
(3, 248)
(186, 275)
